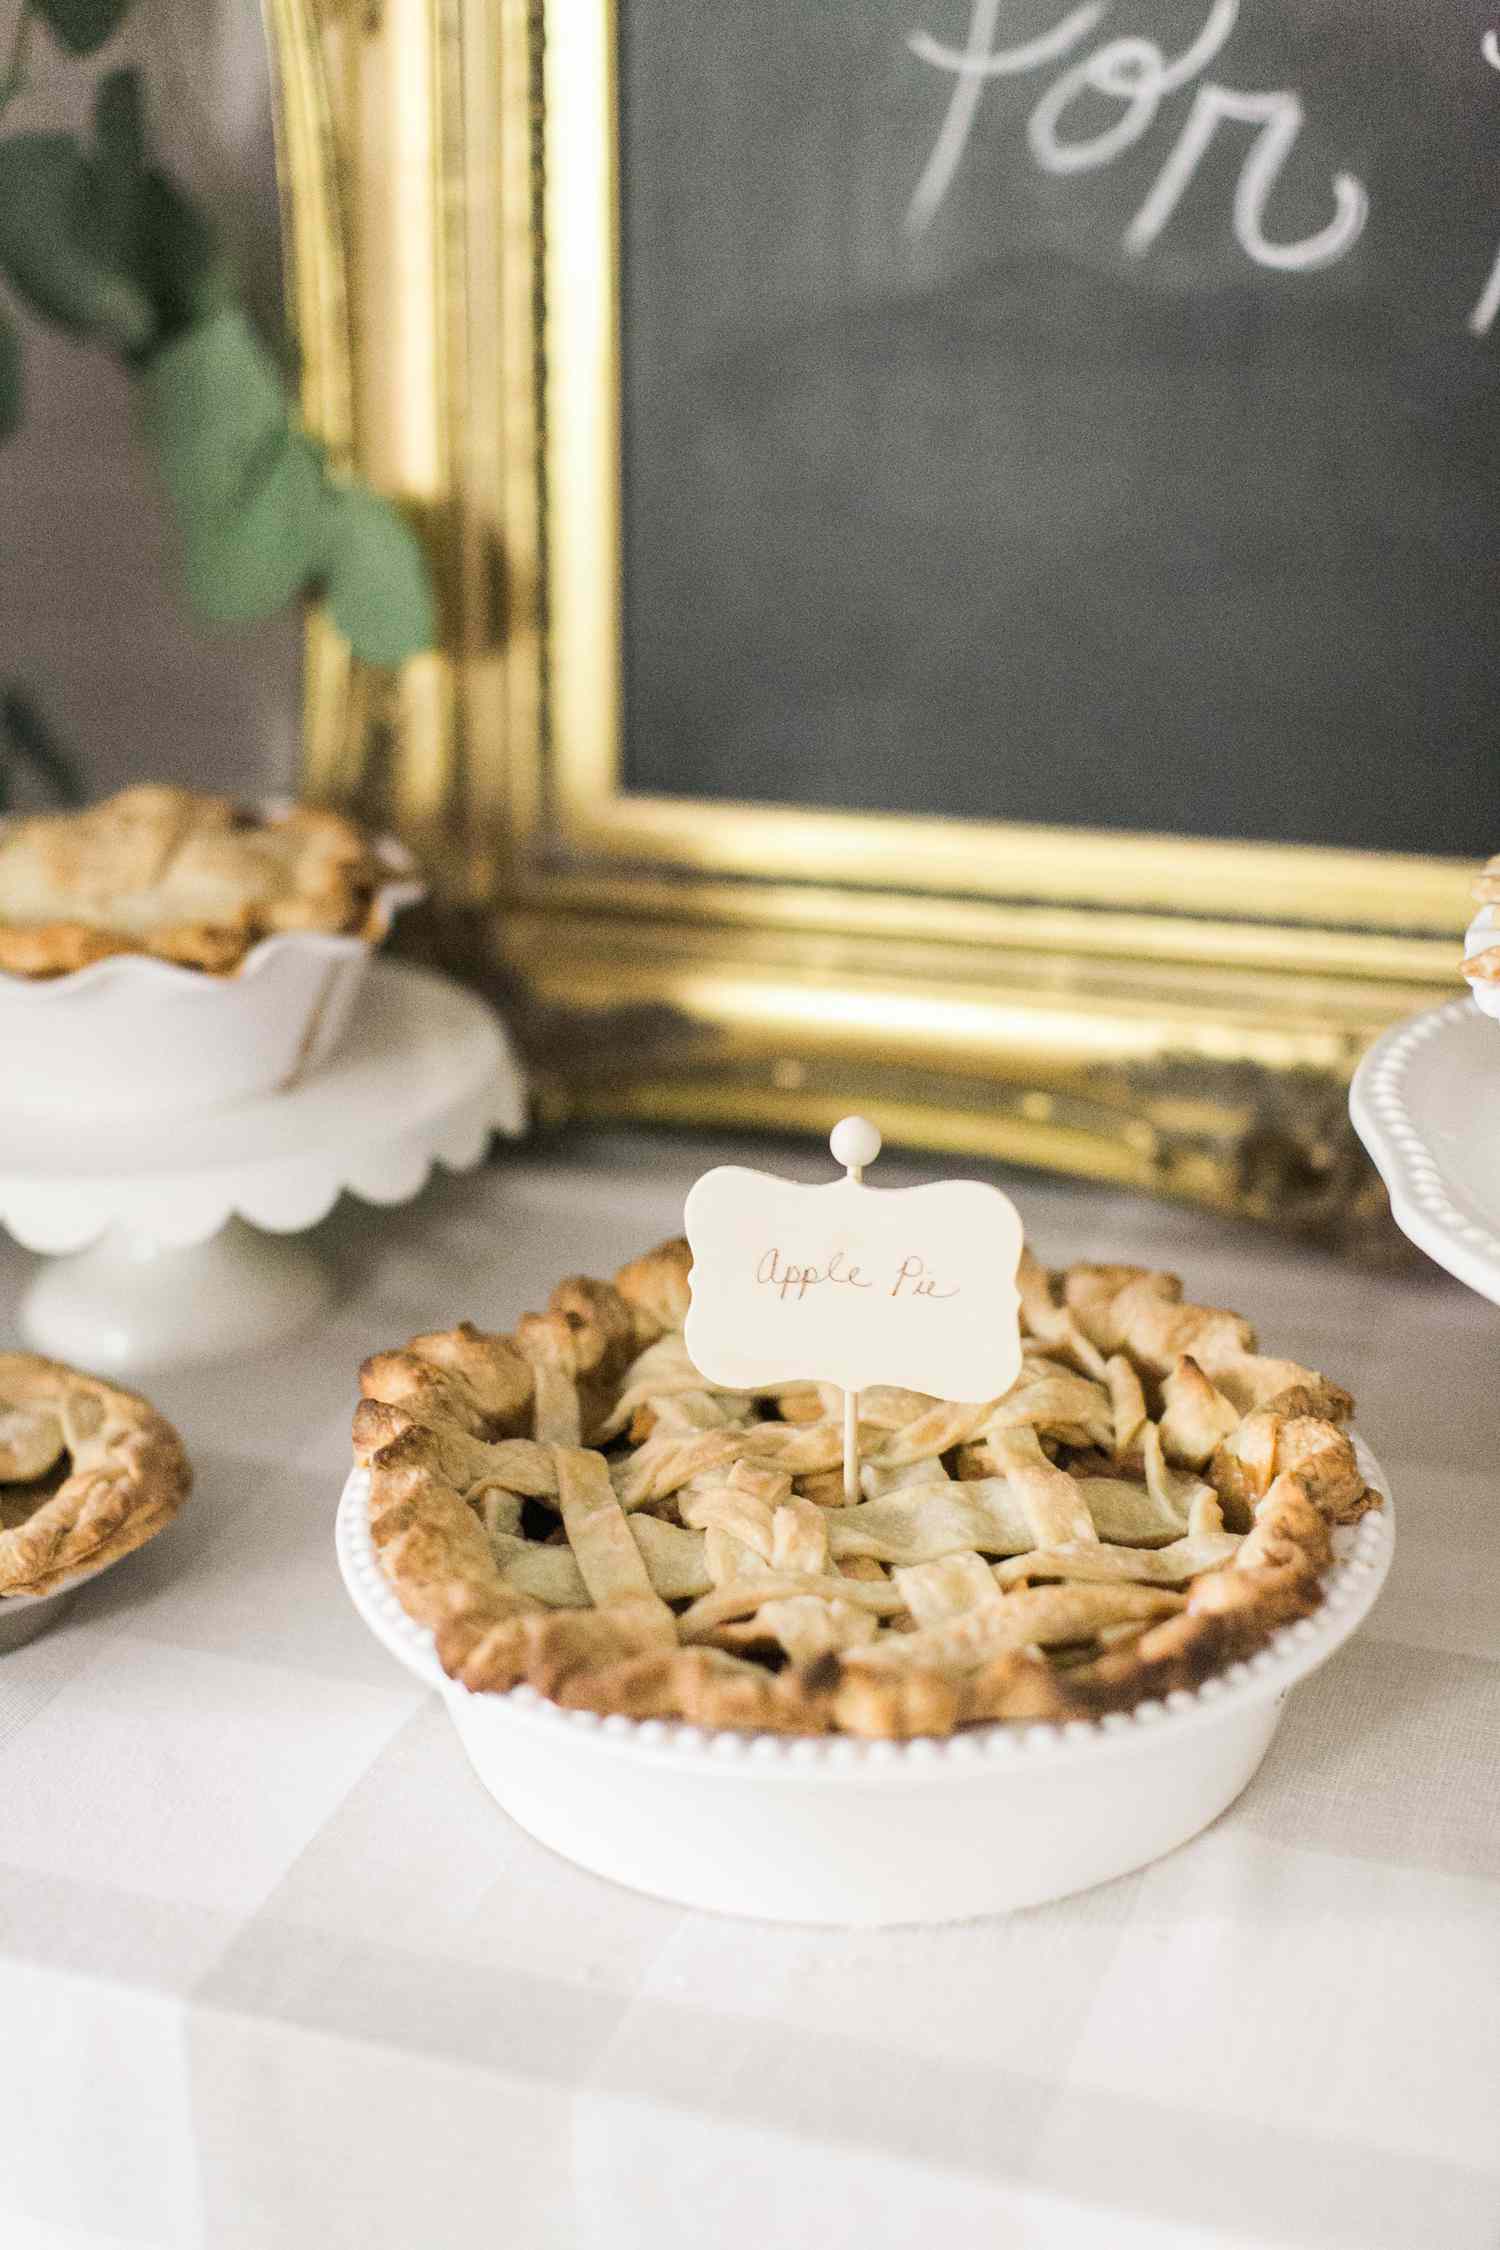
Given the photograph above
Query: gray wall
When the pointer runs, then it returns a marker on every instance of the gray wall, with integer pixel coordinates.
(90, 617)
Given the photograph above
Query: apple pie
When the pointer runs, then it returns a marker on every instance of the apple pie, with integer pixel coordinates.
(1481, 962)
(87, 1474)
(193, 879)
(574, 1507)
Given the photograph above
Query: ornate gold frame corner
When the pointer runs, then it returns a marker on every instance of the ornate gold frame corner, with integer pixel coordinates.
(1170, 1013)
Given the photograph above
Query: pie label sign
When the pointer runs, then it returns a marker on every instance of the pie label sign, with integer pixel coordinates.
(847, 1284)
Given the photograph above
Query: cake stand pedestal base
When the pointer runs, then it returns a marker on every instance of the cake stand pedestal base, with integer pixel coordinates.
(170, 1235)
(128, 1304)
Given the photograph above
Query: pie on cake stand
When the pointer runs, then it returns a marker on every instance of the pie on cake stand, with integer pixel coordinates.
(169, 1239)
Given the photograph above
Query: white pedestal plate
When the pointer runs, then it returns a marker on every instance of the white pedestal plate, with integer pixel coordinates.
(168, 1238)
(1426, 1103)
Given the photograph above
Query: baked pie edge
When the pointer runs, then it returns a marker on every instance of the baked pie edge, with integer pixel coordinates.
(341, 897)
(128, 1475)
(1287, 1467)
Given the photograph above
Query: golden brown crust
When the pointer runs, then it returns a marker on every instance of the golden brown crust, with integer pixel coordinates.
(480, 1381)
(655, 1289)
(183, 877)
(1159, 1495)
(115, 1473)
(54, 949)
(1487, 882)
(1267, 1445)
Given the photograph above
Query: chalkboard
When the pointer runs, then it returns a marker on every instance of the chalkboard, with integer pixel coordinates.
(1054, 412)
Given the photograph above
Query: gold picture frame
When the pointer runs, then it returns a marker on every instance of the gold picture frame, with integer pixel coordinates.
(1055, 996)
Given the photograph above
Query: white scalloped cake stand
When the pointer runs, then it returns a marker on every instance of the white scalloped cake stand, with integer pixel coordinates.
(162, 1269)
(1424, 1102)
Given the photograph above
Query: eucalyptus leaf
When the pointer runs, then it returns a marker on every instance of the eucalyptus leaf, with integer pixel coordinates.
(252, 562)
(10, 376)
(143, 225)
(120, 128)
(48, 196)
(175, 259)
(246, 488)
(108, 221)
(376, 579)
(82, 25)
(26, 733)
(259, 518)
(213, 405)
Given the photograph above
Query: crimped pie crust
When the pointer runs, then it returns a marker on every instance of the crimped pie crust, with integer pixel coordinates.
(87, 1473)
(187, 878)
(573, 1507)
(1483, 966)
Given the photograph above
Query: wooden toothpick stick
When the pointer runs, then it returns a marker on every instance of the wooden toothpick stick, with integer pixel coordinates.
(855, 1143)
(851, 1448)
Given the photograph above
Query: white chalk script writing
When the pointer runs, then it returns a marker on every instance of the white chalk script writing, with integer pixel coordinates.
(1134, 73)
(791, 1280)
(1482, 318)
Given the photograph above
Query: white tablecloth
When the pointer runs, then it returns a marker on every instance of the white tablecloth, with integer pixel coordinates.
(275, 1973)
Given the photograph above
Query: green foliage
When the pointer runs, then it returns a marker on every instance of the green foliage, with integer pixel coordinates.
(51, 243)
(82, 25)
(10, 375)
(259, 515)
(25, 738)
(120, 125)
(375, 575)
(175, 257)
(244, 488)
(143, 225)
(110, 248)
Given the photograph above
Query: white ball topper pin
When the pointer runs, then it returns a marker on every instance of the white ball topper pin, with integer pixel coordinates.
(846, 1284)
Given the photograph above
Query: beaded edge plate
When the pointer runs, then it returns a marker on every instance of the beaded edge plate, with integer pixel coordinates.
(1362, 1557)
(1424, 1103)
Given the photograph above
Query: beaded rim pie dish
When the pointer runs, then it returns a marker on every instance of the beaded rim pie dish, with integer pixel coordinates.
(88, 1473)
(1362, 1558)
(179, 881)
(573, 1509)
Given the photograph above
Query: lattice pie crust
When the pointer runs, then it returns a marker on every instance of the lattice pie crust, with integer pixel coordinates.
(574, 1507)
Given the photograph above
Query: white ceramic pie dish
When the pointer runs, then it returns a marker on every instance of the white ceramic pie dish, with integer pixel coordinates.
(24, 1616)
(136, 1037)
(834, 1830)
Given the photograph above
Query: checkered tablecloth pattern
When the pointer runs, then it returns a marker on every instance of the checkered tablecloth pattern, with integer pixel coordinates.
(276, 1975)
